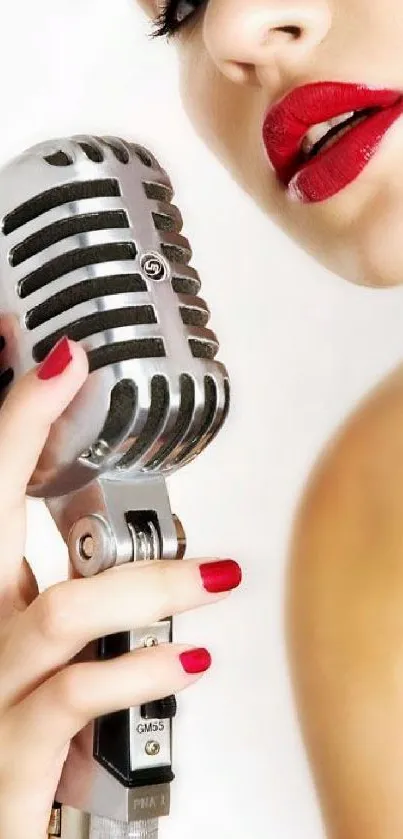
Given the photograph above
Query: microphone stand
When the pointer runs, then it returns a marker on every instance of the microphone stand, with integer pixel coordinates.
(115, 783)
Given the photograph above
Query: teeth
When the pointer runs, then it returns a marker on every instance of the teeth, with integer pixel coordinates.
(317, 132)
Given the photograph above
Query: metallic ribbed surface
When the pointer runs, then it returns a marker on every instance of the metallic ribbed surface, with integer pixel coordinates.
(91, 247)
(106, 829)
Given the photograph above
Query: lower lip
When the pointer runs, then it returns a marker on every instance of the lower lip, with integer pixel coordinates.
(337, 167)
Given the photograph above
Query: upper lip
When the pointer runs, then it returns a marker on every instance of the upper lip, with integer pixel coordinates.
(287, 122)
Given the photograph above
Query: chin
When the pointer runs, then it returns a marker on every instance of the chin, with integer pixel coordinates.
(373, 253)
(378, 275)
(363, 246)
(369, 275)
(369, 263)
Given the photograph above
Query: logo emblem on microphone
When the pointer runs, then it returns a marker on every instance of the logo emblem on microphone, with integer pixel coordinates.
(153, 267)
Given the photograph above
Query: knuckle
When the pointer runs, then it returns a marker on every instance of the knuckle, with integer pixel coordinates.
(54, 613)
(69, 691)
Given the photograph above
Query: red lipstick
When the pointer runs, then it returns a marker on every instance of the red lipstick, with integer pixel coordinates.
(334, 162)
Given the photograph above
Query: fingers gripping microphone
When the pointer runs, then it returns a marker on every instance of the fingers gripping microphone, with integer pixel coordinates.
(90, 247)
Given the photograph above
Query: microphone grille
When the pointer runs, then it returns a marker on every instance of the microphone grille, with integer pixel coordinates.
(91, 248)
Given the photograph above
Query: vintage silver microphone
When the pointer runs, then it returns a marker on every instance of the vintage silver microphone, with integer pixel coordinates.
(90, 247)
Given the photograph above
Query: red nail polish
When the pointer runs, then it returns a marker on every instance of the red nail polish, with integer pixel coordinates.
(224, 575)
(195, 661)
(57, 360)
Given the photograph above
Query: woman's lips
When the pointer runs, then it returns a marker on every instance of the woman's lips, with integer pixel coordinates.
(323, 176)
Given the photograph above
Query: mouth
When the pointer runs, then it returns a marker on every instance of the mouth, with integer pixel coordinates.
(321, 136)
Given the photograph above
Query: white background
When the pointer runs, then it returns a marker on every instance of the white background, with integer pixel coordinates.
(301, 347)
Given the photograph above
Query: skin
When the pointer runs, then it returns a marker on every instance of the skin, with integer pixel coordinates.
(345, 620)
(344, 615)
(48, 692)
(236, 62)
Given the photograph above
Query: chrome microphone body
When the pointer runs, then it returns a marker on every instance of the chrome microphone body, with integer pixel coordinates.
(91, 248)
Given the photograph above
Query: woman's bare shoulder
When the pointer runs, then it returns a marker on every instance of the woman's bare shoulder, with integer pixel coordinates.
(345, 619)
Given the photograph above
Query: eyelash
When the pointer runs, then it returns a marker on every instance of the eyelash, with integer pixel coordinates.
(165, 25)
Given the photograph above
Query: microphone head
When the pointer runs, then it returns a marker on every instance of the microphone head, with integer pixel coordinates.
(90, 247)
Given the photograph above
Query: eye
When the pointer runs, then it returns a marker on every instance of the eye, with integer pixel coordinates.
(174, 14)
(185, 8)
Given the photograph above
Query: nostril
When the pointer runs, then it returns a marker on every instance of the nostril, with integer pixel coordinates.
(294, 31)
(241, 73)
(250, 76)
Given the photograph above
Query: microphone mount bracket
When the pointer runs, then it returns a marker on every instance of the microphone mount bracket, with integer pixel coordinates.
(124, 760)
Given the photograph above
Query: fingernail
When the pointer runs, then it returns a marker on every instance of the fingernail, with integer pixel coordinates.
(196, 661)
(57, 360)
(220, 576)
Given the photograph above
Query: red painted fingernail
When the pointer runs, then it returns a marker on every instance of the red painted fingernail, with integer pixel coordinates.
(57, 360)
(223, 575)
(195, 661)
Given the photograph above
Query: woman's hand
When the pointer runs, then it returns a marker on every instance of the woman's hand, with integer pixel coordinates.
(44, 699)
(345, 621)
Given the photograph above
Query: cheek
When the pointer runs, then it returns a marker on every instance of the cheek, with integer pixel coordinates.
(221, 112)
(201, 90)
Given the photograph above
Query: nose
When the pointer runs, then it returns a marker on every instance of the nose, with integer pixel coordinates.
(247, 38)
